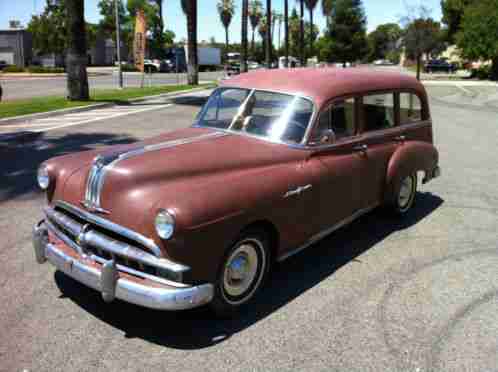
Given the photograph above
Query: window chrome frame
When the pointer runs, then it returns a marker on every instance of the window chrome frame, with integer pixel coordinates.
(300, 145)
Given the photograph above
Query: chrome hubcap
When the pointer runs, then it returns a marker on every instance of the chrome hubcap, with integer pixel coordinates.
(405, 192)
(240, 270)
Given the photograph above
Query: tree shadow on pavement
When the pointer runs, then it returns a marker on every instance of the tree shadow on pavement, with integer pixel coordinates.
(198, 328)
(21, 156)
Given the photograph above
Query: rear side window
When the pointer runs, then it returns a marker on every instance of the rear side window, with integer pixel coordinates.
(410, 108)
(339, 118)
(379, 111)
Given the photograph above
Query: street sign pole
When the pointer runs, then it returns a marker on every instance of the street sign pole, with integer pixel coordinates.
(118, 45)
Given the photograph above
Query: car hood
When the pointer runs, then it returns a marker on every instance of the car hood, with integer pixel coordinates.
(166, 171)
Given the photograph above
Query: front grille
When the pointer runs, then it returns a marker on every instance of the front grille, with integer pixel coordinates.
(80, 231)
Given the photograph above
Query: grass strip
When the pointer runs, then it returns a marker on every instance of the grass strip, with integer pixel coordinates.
(35, 105)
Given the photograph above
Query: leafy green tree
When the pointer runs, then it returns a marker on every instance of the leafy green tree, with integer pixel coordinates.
(49, 29)
(347, 29)
(383, 40)
(423, 35)
(478, 37)
(295, 33)
(453, 14)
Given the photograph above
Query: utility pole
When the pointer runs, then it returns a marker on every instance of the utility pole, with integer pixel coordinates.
(118, 44)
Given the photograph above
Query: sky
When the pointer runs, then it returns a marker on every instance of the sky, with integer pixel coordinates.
(377, 12)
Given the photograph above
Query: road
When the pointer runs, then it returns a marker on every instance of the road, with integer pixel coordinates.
(381, 294)
(18, 88)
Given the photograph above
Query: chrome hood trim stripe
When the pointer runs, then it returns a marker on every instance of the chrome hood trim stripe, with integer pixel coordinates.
(103, 163)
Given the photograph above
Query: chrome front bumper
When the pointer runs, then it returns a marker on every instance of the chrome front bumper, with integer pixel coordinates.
(112, 285)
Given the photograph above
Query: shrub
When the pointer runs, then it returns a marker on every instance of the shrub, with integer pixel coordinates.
(13, 68)
(482, 73)
(45, 70)
(128, 68)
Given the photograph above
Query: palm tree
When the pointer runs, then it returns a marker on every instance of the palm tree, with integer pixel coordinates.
(301, 34)
(255, 14)
(226, 10)
(286, 26)
(160, 27)
(77, 78)
(327, 9)
(311, 5)
(268, 34)
(190, 9)
(243, 41)
(263, 25)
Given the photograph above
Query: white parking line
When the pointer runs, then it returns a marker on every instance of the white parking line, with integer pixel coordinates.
(99, 118)
(46, 124)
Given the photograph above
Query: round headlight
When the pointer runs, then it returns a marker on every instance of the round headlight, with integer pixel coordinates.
(43, 177)
(165, 224)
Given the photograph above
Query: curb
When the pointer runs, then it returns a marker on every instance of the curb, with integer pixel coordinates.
(55, 113)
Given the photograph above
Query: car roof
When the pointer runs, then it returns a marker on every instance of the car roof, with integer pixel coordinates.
(324, 84)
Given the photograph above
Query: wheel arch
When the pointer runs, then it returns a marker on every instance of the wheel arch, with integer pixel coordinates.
(409, 158)
(272, 231)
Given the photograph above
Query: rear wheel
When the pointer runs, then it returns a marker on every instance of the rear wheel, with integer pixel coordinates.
(242, 272)
(405, 194)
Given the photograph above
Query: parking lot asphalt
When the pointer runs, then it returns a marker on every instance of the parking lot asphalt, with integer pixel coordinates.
(419, 294)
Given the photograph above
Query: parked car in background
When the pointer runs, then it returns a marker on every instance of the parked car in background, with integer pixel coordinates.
(3, 64)
(439, 65)
(383, 62)
(274, 161)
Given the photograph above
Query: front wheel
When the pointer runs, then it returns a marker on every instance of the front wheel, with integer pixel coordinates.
(242, 273)
(405, 194)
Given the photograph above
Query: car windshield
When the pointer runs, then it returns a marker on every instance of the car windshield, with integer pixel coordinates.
(273, 116)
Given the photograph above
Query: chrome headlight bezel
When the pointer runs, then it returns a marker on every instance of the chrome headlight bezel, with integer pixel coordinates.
(43, 177)
(164, 224)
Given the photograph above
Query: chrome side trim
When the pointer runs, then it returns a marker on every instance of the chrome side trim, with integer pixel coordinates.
(297, 190)
(327, 231)
(103, 163)
(118, 229)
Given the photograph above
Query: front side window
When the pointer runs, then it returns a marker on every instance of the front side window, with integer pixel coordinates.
(378, 112)
(273, 116)
(338, 118)
(410, 108)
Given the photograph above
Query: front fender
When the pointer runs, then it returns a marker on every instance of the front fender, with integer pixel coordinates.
(410, 157)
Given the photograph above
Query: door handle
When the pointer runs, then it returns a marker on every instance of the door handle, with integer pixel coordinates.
(400, 138)
(297, 190)
(361, 148)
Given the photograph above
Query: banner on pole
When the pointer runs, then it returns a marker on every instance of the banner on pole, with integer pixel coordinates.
(139, 40)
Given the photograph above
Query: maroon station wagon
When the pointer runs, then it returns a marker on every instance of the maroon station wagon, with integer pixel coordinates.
(274, 161)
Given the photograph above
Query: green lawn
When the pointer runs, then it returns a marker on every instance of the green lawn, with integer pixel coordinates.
(50, 103)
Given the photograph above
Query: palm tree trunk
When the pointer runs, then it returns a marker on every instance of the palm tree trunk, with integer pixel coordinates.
(161, 28)
(494, 69)
(419, 60)
(243, 56)
(77, 79)
(312, 35)
(301, 33)
(226, 45)
(193, 66)
(286, 26)
(252, 42)
(268, 34)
